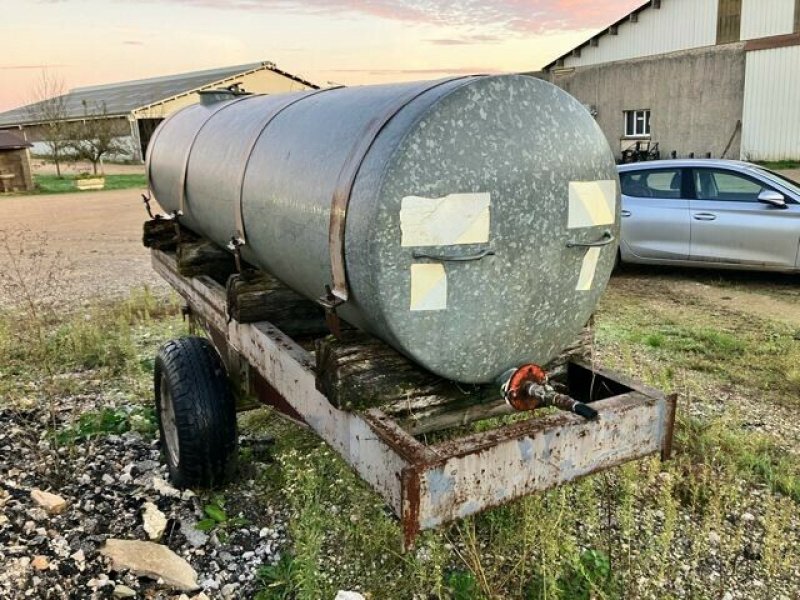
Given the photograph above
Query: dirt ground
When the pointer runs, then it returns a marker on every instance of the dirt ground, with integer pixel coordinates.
(792, 174)
(767, 296)
(97, 235)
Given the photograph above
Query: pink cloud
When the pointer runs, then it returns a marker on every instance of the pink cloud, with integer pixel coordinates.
(510, 16)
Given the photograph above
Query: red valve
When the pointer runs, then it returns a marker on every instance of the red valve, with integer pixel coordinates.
(516, 390)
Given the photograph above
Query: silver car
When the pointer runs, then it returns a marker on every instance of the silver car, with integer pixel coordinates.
(709, 213)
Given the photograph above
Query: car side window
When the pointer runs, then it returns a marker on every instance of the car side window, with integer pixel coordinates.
(711, 184)
(662, 183)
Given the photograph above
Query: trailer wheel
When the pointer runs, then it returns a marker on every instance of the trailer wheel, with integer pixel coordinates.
(196, 413)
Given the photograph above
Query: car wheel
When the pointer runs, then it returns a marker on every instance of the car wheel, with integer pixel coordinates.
(196, 413)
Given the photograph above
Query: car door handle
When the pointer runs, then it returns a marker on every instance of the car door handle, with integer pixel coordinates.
(626, 213)
(705, 217)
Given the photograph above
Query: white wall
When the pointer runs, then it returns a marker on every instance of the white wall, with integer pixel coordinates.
(765, 18)
(771, 122)
(677, 25)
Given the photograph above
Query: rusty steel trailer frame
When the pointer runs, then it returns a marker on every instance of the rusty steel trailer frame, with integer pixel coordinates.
(429, 485)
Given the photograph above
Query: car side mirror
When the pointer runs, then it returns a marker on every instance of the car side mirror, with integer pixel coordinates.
(772, 198)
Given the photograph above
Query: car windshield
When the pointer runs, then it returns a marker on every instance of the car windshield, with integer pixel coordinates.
(792, 185)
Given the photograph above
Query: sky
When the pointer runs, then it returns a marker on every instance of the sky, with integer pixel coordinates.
(349, 42)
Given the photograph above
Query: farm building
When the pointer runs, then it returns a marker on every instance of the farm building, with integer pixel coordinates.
(137, 107)
(694, 76)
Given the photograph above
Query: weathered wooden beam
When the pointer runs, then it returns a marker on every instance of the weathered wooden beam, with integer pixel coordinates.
(160, 234)
(202, 257)
(359, 372)
(255, 296)
(425, 422)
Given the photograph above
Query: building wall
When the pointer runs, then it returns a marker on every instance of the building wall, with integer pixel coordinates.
(259, 82)
(765, 18)
(18, 163)
(696, 97)
(772, 105)
(677, 25)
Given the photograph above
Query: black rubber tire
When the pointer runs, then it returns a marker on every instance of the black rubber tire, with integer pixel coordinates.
(204, 413)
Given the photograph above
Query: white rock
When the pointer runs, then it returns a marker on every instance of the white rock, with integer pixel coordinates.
(194, 536)
(714, 538)
(151, 560)
(123, 591)
(748, 517)
(165, 489)
(53, 504)
(155, 523)
(349, 596)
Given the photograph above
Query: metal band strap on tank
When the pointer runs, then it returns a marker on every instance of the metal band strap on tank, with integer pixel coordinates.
(184, 171)
(338, 293)
(240, 236)
(152, 144)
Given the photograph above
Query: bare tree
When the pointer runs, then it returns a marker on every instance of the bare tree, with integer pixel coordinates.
(48, 110)
(96, 135)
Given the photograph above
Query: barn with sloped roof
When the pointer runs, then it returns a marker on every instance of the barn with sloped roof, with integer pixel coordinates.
(137, 107)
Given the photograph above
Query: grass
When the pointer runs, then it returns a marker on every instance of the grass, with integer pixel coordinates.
(107, 347)
(780, 165)
(52, 184)
(644, 530)
(708, 344)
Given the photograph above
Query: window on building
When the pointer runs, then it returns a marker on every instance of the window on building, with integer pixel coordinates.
(729, 21)
(637, 123)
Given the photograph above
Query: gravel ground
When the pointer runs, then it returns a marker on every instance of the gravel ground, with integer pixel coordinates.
(106, 483)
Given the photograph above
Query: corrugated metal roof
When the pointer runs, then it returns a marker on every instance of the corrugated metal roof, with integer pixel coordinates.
(11, 141)
(127, 96)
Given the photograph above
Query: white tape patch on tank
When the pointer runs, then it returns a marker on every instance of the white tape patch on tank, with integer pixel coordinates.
(586, 280)
(450, 221)
(592, 203)
(428, 287)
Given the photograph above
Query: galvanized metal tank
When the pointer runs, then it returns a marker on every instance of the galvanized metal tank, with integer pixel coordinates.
(471, 222)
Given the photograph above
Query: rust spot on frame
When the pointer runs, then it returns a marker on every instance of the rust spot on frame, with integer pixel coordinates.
(410, 491)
